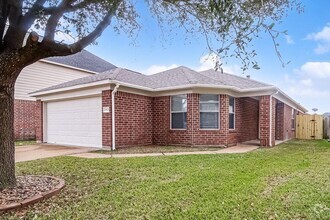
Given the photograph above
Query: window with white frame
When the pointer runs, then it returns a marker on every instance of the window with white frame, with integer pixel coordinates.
(209, 111)
(293, 119)
(231, 113)
(179, 112)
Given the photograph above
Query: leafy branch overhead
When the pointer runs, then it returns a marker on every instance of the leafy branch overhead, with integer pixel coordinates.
(229, 26)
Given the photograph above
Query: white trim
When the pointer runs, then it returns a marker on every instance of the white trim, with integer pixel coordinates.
(69, 89)
(68, 66)
(271, 118)
(182, 129)
(218, 111)
(232, 129)
(190, 88)
(44, 122)
(113, 93)
(289, 101)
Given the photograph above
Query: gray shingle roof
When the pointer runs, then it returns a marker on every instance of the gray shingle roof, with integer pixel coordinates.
(84, 60)
(179, 76)
(233, 80)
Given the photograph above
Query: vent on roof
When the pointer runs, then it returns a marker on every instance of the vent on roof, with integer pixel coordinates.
(248, 76)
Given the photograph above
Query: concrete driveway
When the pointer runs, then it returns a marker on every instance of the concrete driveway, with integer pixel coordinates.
(39, 151)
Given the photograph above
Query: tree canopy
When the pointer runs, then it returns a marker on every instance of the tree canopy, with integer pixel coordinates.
(232, 24)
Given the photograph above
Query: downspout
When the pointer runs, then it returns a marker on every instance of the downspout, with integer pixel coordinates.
(271, 117)
(113, 147)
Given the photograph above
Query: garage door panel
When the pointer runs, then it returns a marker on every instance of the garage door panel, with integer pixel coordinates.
(75, 122)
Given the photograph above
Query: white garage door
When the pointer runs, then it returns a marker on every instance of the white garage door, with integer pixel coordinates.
(75, 122)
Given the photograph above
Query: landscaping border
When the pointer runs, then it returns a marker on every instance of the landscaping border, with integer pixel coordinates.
(36, 198)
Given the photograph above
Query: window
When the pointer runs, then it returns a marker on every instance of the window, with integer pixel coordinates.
(293, 119)
(209, 111)
(231, 113)
(179, 112)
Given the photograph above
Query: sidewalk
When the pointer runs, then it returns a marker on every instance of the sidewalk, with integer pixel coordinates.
(241, 148)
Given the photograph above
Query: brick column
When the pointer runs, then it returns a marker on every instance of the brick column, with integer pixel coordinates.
(106, 119)
(279, 129)
(265, 112)
(39, 121)
(193, 116)
(224, 117)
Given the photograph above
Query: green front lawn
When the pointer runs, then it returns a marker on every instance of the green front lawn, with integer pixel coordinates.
(290, 181)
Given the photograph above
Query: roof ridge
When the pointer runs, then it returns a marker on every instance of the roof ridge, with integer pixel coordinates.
(241, 77)
(186, 74)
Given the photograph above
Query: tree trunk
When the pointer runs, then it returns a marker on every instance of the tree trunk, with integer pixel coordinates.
(7, 145)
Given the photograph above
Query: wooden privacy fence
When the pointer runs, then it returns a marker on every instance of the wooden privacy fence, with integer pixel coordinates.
(309, 127)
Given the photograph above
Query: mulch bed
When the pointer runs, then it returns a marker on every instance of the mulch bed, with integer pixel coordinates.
(29, 187)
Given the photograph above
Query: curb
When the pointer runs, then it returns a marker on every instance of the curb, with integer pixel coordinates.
(36, 198)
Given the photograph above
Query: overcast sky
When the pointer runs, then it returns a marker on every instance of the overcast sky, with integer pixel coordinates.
(307, 46)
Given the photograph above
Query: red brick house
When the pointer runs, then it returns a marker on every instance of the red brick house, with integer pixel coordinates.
(180, 106)
(45, 73)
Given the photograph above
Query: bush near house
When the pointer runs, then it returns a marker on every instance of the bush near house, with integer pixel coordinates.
(290, 181)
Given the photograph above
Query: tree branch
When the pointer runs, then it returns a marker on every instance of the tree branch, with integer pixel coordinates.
(62, 50)
(14, 36)
(54, 19)
(31, 15)
(3, 19)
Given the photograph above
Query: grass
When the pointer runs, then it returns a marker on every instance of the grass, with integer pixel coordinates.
(23, 143)
(156, 149)
(290, 181)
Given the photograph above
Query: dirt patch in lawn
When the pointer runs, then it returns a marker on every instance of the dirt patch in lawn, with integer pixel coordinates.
(274, 182)
(156, 149)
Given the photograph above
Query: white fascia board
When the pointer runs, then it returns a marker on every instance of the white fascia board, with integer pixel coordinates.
(82, 93)
(281, 96)
(67, 66)
(68, 89)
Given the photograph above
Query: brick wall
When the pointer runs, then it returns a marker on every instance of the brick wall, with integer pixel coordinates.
(25, 119)
(106, 119)
(133, 119)
(279, 121)
(264, 119)
(39, 121)
(284, 130)
(288, 132)
(142, 120)
(161, 120)
(247, 116)
(246, 123)
(212, 137)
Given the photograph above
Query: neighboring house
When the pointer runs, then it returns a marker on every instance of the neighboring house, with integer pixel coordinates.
(175, 107)
(45, 73)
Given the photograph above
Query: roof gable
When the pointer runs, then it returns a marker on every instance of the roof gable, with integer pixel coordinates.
(83, 60)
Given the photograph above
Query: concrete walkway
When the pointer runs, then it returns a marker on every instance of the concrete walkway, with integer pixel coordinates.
(39, 151)
(240, 148)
